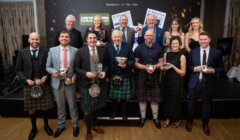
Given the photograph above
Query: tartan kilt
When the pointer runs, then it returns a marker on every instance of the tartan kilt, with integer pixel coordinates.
(90, 104)
(121, 93)
(145, 94)
(43, 103)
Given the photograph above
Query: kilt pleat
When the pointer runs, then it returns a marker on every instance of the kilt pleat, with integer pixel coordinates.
(121, 93)
(145, 94)
(90, 104)
(43, 103)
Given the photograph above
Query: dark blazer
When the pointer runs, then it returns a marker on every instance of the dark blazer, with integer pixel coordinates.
(130, 35)
(214, 60)
(158, 37)
(82, 64)
(24, 63)
(76, 38)
(126, 51)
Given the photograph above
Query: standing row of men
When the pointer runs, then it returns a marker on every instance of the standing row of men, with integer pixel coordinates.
(84, 65)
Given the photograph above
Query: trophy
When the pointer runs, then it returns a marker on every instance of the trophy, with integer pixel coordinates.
(63, 73)
(150, 66)
(121, 60)
(205, 68)
(166, 65)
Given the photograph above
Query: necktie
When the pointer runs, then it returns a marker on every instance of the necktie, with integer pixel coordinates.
(34, 53)
(94, 55)
(65, 58)
(204, 60)
(123, 35)
(117, 49)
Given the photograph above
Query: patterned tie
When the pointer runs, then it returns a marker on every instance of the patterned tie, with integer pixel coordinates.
(123, 35)
(117, 49)
(94, 55)
(65, 58)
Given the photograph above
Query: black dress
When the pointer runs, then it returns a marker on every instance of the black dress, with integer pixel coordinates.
(172, 88)
(193, 44)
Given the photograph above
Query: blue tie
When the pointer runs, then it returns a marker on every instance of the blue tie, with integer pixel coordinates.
(117, 49)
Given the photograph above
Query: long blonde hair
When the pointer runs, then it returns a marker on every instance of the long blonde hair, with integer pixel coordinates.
(190, 29)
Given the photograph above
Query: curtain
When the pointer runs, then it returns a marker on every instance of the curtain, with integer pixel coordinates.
(16, 19)
(234, 32)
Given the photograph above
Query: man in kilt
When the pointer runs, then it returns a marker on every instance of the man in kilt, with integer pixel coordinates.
(148, 59)
(30, 66)
(119, 73)
(91, 67)
(59, 64)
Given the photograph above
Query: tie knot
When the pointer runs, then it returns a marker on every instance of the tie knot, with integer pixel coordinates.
(204, 51)
(34, 50)
(123, 29)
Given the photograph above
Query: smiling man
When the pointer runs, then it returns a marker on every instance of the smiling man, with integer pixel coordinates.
(204, 63)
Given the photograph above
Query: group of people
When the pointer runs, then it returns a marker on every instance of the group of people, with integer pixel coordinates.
(99, 69)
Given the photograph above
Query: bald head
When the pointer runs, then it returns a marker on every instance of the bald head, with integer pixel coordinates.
(116, 36)
(34, 39)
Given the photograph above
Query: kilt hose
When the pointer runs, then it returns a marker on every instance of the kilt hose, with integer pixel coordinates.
(43, 103)
(90, 104)
(123, 92)
(144, 93)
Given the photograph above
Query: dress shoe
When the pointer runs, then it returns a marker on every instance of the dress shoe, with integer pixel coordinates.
(98, 130)
(188, 126)
(141, 122)
(32, 134)
(206, 130)
(48, 130)
(113, 116)
(124, 117)
(59, 132)
(89, 136)
(157, 123)
(75, 131)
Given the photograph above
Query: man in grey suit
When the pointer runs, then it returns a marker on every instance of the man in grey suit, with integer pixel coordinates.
(128, 33)
(61, 59)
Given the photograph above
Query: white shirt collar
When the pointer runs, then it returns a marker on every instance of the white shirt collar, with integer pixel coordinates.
(31, 48)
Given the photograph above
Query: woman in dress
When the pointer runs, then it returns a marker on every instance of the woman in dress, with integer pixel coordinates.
(98, 28)
(174, 30)
(192, 36)
(175, 68)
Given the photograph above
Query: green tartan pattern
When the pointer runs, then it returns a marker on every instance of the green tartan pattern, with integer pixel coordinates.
(121, 93)
(90, 104)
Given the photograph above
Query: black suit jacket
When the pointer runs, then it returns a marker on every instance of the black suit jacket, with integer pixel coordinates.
(24, 63)
(76, 38)
(82, 64)
(214, 60)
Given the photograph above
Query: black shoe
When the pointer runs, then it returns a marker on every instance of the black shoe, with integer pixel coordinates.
(188, 126)
(48, 130)
(124, 117)
(32, 134)
(58, 132)
(113, 115)
(206, 130)
(157, 123)
(75, 131)
(141, 122)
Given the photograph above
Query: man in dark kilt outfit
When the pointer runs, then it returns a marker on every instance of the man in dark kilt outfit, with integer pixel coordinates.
(30, 66)
(91, 67)
(148, 59)
(119, 73)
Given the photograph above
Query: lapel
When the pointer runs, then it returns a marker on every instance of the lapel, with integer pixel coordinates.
(56, 53)
(129, 34)
(70, 55)
(87, 56)
(100, 55)
(209, 56)
(29, 57)
(198, 57)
